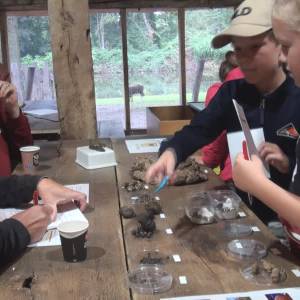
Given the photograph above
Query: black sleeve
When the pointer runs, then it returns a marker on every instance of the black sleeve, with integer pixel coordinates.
(15, 190)
(14, 239)
(205, 127)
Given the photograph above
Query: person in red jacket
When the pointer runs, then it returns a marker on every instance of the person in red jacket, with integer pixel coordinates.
(14, 126)
(217, 153)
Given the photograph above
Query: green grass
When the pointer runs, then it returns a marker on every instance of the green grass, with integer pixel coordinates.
(159, 100)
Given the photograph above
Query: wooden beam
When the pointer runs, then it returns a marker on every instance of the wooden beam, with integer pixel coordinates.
(72, 67)
(25, 5)
(181, 40)
(4, 41)
(125, 68)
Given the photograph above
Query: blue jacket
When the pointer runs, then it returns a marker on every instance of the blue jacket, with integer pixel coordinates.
(272, 112)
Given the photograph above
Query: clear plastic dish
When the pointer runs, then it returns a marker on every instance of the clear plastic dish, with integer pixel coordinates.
(247, 249)
(264, 272)
(139, 197)
(226, 204)
(148, 279)
(237, 230)
(199, 209)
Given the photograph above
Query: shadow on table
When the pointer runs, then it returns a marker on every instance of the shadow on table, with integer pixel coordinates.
(92, 254)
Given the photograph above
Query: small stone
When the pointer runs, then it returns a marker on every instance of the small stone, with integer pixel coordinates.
(127, 212)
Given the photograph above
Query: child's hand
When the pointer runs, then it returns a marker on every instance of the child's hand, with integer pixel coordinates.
(246, 173)
(274, 156)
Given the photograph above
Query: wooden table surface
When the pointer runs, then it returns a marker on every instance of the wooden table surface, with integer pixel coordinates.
(113, 250)
(202, 248)
(102, 275)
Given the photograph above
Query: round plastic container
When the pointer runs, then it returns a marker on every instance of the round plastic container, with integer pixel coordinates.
(237, 230)
(146, 279)
(199, 209)
(139, 197)
(264, 272)
(247, 249)
(226, 204)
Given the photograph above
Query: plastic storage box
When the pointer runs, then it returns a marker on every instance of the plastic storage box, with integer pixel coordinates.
(92, 159)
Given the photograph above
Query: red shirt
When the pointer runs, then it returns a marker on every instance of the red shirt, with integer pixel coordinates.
(15, 133)
(217, 153)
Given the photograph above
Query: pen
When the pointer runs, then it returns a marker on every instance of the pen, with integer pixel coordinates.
(35, 197)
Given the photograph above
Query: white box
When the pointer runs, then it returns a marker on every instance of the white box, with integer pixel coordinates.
(92, 159)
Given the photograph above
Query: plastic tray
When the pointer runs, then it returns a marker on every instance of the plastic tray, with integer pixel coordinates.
(199, 209)
(264, 272)
(247, 249)
(150, 279)
(237, 230)
(226, 204)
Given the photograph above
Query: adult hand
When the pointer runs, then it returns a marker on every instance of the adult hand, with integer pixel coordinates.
(8, 94)
(274, 156)
(35, 219)
(246, 173)
(165, 165)
(54, 194)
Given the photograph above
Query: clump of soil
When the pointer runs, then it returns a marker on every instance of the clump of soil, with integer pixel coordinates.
(127, 212)
(187, 172)
(146, 225)
(150, 259)
(276, 274)
(135, 186)
(153, 207)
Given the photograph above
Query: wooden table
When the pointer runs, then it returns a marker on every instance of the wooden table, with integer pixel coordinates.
(113, 250)
(202, 248)
(102, 275)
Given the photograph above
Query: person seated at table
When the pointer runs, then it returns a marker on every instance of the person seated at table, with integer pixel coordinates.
(30, 225)
(14, 126)
(268, 96)
(217, 153)
(249, 175)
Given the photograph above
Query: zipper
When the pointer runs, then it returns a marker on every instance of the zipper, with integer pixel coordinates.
(262, 111)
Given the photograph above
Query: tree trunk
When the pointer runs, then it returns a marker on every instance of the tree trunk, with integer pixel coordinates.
(198, 79)
(73, 68)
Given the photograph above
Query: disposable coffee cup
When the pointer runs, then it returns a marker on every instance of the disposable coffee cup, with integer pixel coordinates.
(30, 158)
(73, 240)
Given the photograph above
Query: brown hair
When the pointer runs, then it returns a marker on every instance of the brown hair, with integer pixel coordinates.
(227, 65)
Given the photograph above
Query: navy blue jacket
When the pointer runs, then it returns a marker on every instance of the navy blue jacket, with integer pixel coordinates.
(272, 112)
(14, 237)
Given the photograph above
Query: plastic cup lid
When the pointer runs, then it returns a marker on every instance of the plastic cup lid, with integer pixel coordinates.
(30, 148)
(72, 229)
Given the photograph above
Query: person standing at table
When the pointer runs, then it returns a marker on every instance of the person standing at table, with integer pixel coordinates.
(249, 175)
(30, 225)
(269, 97)
(14, 126)
(217, 153)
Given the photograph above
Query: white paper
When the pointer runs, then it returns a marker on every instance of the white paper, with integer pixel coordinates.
(41, 112)
(49, 239)
(143, 145)
(81, 187)
(294, 293)
(235, 140)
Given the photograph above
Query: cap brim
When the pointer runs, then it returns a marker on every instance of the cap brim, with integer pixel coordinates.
(241, 30)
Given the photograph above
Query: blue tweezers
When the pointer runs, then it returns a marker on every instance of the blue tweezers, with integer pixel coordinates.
(162, 184)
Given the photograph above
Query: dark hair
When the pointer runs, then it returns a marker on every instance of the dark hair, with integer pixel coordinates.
(227, 65)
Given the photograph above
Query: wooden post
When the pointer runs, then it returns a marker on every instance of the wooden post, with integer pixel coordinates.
(181, 37)
(73, 68)
(125, 68)
(4, 42)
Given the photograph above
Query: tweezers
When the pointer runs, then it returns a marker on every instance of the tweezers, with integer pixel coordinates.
(162, 184)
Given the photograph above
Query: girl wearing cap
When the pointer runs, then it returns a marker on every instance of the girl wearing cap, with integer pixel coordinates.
(249, 175)
(268, 96)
